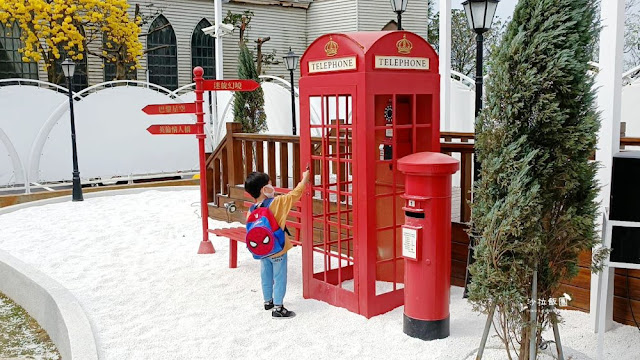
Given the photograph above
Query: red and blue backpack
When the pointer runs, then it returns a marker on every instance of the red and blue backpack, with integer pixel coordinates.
(264, 235)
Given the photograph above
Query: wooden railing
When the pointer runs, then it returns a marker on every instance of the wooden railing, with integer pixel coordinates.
(238, 154)
(453, 144)
(629, 141)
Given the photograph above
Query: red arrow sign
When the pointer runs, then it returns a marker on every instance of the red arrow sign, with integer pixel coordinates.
(230, 85)
(161, 109)
(173, 129)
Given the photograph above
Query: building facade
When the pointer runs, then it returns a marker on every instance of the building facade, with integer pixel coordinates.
(180, 44)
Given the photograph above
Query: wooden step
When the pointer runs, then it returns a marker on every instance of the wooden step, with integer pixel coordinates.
(236, 192)
(221, 199)
(220, 213)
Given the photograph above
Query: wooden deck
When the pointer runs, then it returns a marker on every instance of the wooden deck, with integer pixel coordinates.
(239, 154)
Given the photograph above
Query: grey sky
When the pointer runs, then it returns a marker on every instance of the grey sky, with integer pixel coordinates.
(505, 7)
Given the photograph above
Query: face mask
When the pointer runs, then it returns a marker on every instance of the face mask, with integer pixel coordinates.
(269, 191)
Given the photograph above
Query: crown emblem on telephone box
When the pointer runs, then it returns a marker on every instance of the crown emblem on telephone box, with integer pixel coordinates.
(404, 46)
(331, 48)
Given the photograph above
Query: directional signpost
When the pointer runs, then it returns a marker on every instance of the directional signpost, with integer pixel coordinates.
(162, 109)
(230, 85)
(173, 129)
(197, 129)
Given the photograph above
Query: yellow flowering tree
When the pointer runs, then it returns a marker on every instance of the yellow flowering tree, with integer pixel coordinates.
(51, 29)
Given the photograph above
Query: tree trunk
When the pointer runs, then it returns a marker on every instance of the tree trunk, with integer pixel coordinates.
(260, 41)
(121, 70)
(524, 343)
(259, 58)
(55, 77)
(52, 74)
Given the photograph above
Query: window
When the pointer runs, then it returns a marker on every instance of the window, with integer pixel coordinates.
(11, 64)
(110, 67)
(202, 52)
(162, 56)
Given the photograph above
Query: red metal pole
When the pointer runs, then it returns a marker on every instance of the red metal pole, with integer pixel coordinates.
(206, 247)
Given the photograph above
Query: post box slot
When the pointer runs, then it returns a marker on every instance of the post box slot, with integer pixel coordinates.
(416, 215)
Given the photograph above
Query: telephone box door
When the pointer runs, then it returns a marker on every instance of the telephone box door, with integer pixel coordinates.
(327, 145)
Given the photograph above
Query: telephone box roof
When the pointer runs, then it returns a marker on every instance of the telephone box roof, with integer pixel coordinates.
(366, 45)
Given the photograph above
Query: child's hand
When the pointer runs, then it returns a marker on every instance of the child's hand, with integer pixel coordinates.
(305, 177)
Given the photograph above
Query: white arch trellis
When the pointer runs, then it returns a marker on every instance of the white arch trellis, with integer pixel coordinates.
(24, 172)
(631, 76)
(22, 169)
(25, 169)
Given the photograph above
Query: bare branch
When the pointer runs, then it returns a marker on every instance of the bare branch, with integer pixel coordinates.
(261, 41)
(156, 48)
(113, 50)
(156, 29)
(96, 54)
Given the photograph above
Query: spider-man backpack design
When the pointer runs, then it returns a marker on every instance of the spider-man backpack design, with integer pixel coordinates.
(264, 236)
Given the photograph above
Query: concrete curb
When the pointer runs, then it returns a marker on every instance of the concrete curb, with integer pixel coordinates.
(53, 306)
(55, 200)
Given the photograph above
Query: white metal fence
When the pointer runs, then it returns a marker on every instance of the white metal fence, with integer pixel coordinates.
(113, 144)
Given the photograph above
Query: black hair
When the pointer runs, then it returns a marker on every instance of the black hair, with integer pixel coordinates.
(255, 182)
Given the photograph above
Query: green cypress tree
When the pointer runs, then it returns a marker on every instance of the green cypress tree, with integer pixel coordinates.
(248, 107)
(534, 206)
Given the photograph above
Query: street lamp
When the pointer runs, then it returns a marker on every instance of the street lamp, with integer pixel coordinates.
(399, 6)
(291, 61)
(69, 67)
(480, 17)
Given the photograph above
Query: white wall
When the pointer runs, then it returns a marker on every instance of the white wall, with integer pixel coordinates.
(25, 109)
(461, 107)
(631, 108)
(112, 139)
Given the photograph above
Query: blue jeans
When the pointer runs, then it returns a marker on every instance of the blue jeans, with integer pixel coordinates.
(273, 272)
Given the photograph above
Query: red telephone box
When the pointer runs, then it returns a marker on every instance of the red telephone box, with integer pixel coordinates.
(366, 100)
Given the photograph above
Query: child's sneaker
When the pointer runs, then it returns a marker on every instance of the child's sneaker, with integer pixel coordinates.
(281, 313)
(268, 305)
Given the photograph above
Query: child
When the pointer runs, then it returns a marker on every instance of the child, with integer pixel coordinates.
(273, 269)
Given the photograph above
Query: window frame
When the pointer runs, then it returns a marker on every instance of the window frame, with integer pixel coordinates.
(202, 43)
(162, 64)
(12, 65)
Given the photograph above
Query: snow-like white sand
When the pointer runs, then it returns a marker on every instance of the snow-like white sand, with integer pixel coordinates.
(131, 261)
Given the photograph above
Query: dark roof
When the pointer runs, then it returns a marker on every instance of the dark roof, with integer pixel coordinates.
(304, 4)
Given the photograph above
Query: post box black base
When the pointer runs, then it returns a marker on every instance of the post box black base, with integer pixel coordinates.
(426, 329)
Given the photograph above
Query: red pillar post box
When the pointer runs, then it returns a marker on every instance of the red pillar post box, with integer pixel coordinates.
(426, 243)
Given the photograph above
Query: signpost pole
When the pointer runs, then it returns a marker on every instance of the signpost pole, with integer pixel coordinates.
(206, 247)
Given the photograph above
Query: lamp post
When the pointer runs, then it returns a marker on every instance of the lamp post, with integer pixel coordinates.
(480, 17)
(291, 61)
(69, 67)
(399, 6)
